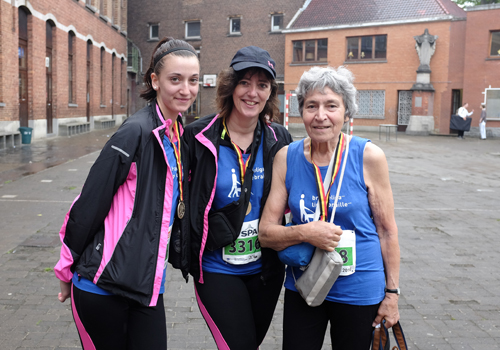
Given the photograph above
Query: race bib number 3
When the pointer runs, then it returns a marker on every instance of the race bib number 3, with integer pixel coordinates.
(347, 251)
(246, 248)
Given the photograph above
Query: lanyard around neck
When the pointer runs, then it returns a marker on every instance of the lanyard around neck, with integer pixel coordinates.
(177, 153)
(323, 198)
(242, 164)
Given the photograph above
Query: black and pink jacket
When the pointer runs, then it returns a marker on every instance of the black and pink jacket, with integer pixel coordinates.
(116, 232)
(201, 140)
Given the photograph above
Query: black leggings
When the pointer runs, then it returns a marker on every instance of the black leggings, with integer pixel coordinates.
(238, 309)
(113, 322)
(304, 327)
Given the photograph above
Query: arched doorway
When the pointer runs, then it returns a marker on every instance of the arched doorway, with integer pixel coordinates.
(113, 58)
(23, 66)
(49, 30)
(89, 60)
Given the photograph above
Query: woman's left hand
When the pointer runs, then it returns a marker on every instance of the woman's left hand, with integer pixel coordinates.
(65, 291)
(388, 310)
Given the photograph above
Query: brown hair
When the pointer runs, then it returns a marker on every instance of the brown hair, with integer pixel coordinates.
(226, 83)
(165, 44)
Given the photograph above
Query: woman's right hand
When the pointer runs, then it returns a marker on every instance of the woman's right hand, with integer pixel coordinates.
(65, 291)
(322, 234)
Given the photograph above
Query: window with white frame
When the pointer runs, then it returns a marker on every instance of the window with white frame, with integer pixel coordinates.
(371, 104)
(193, 29)
(276, 22)
(234, 25)
(294, 110)
(154, 31)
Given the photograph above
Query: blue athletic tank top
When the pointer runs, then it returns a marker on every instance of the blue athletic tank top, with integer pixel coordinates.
(366, 285)
(228, 190)
(88, 286)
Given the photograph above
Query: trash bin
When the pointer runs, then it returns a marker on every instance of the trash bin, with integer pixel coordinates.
(25, 134)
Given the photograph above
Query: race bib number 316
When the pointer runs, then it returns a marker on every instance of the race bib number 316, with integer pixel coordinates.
(246, 248)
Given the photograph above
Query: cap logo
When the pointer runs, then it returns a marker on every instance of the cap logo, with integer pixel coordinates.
(270, 64)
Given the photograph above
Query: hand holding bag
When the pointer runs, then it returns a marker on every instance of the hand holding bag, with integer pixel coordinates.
(297, 255)
(325, 267)
(381, 341)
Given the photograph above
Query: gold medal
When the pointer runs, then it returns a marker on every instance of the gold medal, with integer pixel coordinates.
(249, 208)
(181, 209)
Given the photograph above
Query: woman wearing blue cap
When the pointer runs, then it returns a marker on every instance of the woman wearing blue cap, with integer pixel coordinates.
(237, 282)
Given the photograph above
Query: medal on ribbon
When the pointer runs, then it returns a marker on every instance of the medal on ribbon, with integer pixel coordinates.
(323, 198)
(181, 206)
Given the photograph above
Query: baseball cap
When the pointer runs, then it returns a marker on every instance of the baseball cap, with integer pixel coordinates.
(253, 56)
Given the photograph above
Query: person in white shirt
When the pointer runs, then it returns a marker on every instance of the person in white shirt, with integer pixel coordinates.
(482, 122)
(464, 113)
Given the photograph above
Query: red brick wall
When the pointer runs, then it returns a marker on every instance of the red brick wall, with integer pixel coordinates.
(480, 71)
(70, 15)
(455, 73)
(9, 85)
(398, 73)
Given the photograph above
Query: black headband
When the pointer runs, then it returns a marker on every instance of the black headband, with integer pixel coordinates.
(157, 59)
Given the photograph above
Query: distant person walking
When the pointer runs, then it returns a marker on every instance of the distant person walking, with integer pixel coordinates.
(116, 235)
(482, 122)
(463, 113)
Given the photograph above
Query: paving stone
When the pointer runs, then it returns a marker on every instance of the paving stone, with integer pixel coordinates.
(448, 231)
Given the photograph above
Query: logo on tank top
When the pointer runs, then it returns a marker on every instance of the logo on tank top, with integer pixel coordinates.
(306, 214)
(235, 188)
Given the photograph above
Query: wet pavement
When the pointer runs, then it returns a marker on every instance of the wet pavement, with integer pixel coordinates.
(46, 153)
(447, 206)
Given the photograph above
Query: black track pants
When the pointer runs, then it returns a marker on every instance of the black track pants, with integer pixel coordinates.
(304, 327)
(238, 309)
(107, 322)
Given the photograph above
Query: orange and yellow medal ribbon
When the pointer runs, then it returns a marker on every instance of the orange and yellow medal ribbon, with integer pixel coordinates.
(181, 207)
(322, 196)
(241, 162)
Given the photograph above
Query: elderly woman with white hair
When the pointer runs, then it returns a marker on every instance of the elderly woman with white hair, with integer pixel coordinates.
(363, 231)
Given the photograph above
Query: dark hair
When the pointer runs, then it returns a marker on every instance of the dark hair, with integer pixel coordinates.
(227, 81)
(165, 44)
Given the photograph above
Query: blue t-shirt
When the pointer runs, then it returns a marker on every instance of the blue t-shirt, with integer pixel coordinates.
(88, 286)
(366, 285)
(227, 191)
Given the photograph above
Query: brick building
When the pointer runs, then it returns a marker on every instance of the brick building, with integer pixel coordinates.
(62, 62)
(216, 28)
(376, 42)
(482, 64)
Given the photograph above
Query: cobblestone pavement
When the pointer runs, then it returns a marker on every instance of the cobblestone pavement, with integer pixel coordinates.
(447, 208)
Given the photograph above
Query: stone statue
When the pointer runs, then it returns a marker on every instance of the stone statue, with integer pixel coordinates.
(425, 46)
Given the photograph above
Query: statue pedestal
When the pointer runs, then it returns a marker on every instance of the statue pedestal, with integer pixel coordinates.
(420, 125)
(423, 81)
(421, 119)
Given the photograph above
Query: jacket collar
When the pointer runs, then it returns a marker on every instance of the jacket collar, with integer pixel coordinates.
(160, 122)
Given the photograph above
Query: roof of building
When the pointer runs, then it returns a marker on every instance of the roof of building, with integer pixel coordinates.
(327, 13)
